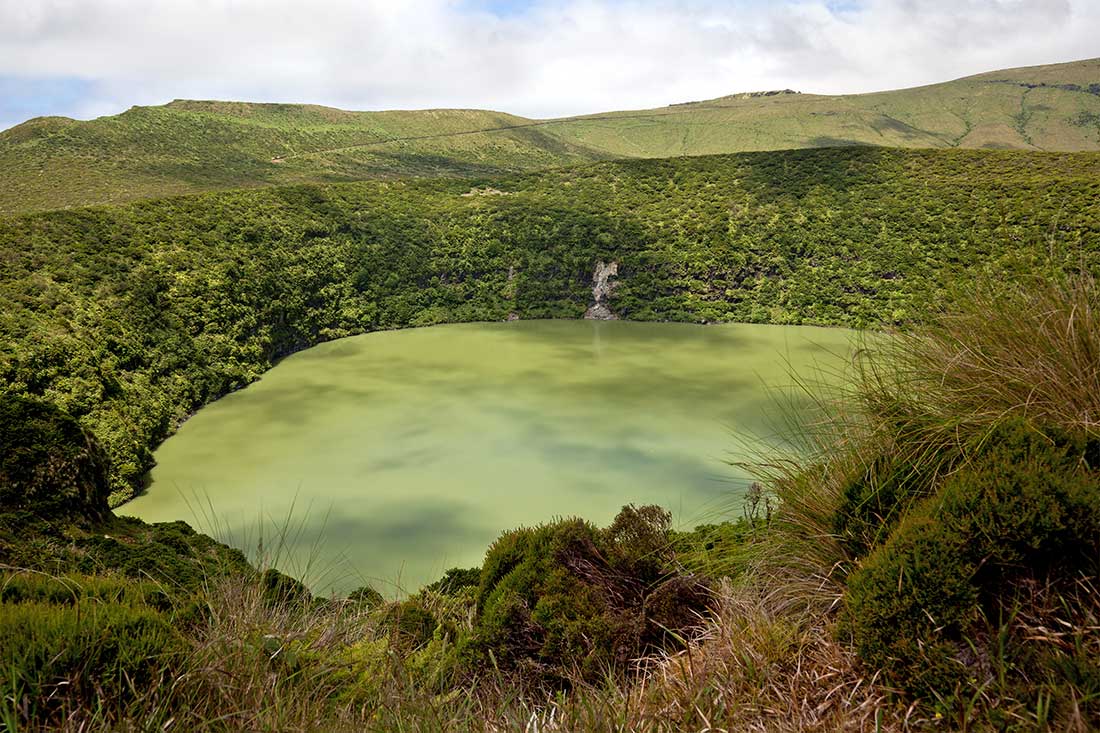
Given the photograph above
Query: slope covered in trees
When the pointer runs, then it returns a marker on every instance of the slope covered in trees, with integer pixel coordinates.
(131, 317)
(190, 146)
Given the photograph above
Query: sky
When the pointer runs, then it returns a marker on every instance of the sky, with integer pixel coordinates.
(538, 58)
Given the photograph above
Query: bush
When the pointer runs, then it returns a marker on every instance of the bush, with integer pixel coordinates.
(566, 599)
(71, 590)
(455, 580)
(281, 590)
(169, 552)
(413, 623)
(366, 596)
(88, 655)
(49, 465)
(874, 500)
(932, 604)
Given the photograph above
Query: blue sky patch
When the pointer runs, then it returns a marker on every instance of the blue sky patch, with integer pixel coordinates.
(22, 98)
(501, 8)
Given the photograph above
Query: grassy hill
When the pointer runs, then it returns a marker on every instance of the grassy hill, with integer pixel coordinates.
(194, 146)
(189, 146)
(1054, 107)
(129, 317)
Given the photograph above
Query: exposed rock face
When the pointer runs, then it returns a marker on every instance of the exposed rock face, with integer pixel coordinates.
(600, 312)
(601, 292)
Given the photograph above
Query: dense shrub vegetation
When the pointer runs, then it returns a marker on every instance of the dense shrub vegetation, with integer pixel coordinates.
(568, 601)
(49, 465)
(954, 512)
(75, 642)
(931, 562)
(933, 565)
(1024, 509)
(129, 318)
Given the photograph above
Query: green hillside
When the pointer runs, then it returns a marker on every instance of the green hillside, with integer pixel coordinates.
(130, 317)
(189, 146)
(1053, 107)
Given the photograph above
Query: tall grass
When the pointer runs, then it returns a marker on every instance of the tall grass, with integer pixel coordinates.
(1027, 348)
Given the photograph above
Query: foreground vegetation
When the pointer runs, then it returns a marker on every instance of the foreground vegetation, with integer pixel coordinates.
(193, 146)
(129, 318)
(929, 561)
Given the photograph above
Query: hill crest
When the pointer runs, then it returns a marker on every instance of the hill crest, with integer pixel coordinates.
(189, 146)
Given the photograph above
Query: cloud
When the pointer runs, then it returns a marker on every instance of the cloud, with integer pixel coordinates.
(539, 57)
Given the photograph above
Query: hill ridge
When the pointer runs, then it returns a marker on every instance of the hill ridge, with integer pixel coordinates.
(189, 146)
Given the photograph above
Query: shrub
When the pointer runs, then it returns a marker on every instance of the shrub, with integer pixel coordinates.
(71, 590)
(282, 590)
(639, 538)
(455, 580)
(49, 465)
(567, 599)
(414, 623)
(874, 500)
(169, 552)
(366, 596)
(930, 604)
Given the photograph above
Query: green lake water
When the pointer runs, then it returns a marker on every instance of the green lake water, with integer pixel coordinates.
(390, 457)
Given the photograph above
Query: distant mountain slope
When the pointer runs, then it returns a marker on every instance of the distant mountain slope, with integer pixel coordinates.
(1053, 107)
(189, 146)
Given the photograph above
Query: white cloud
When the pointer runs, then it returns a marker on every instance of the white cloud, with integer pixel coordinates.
(557, 57)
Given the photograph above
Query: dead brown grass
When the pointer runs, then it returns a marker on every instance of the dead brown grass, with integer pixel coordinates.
(762, 670)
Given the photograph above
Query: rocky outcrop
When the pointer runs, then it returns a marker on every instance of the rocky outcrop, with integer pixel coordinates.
(602, 287)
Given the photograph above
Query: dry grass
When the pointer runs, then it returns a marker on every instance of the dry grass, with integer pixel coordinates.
(753, 669)
(759, 669)
(263, 666)
(1029, 348)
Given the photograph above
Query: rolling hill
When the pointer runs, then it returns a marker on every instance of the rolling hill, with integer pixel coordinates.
(193, 146)
(1053, 107)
